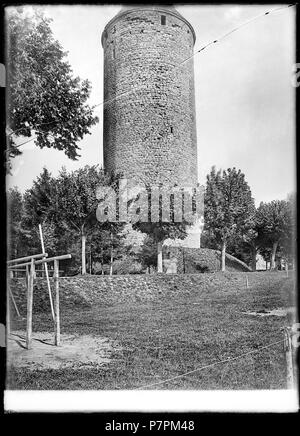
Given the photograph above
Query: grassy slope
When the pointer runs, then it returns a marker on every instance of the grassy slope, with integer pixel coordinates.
(165, 338)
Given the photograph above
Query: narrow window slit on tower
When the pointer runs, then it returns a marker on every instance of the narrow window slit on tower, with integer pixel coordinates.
(171, 129)
(163, 20)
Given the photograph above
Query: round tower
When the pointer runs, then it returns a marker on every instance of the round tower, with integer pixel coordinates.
(149, 97)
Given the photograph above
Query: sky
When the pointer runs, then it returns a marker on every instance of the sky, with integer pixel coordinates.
(245, 101)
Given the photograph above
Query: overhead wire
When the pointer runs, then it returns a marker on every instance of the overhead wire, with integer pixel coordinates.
(246, 23)
(214, 41)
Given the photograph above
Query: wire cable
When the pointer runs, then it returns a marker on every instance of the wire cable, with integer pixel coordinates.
(237, 28)
(105, 102)
(210, 365)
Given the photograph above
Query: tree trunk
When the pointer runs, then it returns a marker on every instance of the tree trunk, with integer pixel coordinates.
(111, 257)
(111, 261)
(83, 260)
(223, 252)
(253, 258)
(274, 248)
(159, 257)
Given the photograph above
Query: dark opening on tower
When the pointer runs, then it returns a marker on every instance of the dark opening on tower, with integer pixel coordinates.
(163, 20)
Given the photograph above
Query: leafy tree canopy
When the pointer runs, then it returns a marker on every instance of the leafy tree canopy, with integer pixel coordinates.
(15, 211)
(277, 221)
(44, 99)
(229, 207)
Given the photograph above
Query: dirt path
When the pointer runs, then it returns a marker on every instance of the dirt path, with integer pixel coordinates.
(75, 351)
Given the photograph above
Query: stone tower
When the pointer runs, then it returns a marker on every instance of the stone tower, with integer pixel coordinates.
(149, 109)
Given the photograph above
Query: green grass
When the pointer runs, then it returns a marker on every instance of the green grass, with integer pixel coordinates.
(165, 338)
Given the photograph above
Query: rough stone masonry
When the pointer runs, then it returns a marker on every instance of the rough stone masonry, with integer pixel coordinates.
(149, 114)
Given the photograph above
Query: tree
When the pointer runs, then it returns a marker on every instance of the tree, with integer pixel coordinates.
(277, 223)
(15, 212)
(255, 238)
(241, 249)
(228, 207)
(166, 227)
(108, 243)
(38, 200)
(44, 98)
(148, 253)
(159, 232)
(65, 206)
(76, 203)
(266, 252)
(100, 244)
(40, 208)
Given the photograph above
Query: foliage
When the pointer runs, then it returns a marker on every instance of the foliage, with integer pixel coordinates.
(44, 98)
(75, 197)
(15, 211)
(275, 219)
(127, 265)
(148, 253)
(164, 228)
(107, 243)
(161, 231)
(65, 206)
(277, 222)
(239, 249)
(40, 207)
(228, 207)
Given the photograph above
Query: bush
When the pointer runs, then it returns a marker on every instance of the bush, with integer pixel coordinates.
(127, 265)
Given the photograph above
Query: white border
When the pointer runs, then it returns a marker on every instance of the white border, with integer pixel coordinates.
(151, 401)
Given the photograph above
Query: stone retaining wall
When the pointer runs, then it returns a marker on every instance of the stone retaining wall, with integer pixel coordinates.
(83, 292)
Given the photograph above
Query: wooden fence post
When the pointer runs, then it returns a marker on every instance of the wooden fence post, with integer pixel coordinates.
(289, 358)
(14, 302)
(57, 315)
(29, 305)
(47, 274)
(27, 277)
